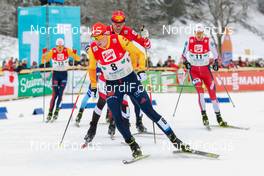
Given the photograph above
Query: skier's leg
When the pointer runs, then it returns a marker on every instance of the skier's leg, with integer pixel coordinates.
(210, 85)
(197, 82)
(139, 124)
(55, 93)
(61, 86)
(82, 107)
(141, 97)
(95, 118)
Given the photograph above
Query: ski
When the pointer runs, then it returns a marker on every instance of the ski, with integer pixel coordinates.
(200, 153)
(232, 127)
(85, 145)
(135, 159)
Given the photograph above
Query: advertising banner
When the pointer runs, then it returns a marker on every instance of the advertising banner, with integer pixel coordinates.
(33, 84)
(8, 85)
(39, 27)
(251, 80)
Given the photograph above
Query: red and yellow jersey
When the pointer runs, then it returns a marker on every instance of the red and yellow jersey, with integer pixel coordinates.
(114, 60)
(129, 33)
(198, 52)
(60, 60)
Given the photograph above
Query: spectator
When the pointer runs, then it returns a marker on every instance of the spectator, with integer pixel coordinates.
(247, 62)
(149, 64)
(173, 65)
(159, 64)
(19, 67)
(240, 62)
(24, 64)
(10, 64)
(34, 65)
(167, 62)
(231, 65)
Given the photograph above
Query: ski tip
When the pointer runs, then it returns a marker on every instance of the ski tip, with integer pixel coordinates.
(84, 146)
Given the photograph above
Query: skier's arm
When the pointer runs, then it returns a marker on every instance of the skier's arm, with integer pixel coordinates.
(213, 49)
(139, 61)
(73, 55)
(92, 68)
(46, 57)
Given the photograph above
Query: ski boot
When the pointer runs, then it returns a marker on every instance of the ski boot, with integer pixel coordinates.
(220, 120)
(111, 129)
(91, 133)
(79, 117)
(205, 119)
(178, 143)
(140, 127)
(55, 115)
(49, 116)
(136, 151)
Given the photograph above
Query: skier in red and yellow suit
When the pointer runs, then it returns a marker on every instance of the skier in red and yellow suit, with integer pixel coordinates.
(196, 57)
(60, 61)
(118, 27)
(112, 54)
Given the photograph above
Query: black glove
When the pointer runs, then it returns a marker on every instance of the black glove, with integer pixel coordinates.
(187, 65)
(142, 76)
(215, 66)
(92, 91)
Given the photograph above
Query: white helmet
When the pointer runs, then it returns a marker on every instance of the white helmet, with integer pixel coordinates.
(199, 28)
(59, 42)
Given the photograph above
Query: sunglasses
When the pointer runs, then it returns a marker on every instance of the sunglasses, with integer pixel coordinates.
(99, 37)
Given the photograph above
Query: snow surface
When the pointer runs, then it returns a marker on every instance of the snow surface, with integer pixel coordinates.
(30, 147)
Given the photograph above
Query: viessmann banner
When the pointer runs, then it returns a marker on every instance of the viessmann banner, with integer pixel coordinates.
(240, 80)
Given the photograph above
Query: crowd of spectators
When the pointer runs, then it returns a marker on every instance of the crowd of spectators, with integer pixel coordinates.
(237, 63)
(16, 65)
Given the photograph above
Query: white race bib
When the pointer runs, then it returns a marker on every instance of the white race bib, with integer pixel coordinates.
(118, 69)
(60, 64)
(199, 59)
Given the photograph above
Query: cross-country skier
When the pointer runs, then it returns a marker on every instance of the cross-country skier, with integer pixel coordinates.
(196, 58)
(112, 54)
(118, 27)
(60, 60)
(98, 109)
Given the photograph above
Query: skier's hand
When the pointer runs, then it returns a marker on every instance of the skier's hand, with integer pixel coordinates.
(187, 65)
(142, 76)
(92, 91)
(215, 66)
(147, 44)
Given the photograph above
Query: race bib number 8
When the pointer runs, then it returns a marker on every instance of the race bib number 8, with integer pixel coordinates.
(117, 69)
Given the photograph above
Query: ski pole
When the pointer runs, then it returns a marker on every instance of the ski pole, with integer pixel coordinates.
(178, 100)
(73, 110)
(145, 34)
(227, 91)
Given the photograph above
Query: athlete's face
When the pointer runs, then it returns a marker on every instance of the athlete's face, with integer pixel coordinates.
(118, 27)
(60, 48)
(199, 35)
(101, 41)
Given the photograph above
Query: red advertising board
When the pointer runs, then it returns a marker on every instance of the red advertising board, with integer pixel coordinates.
(250, 80)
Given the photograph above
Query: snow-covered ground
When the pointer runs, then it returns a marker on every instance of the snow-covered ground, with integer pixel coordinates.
(30, 147)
